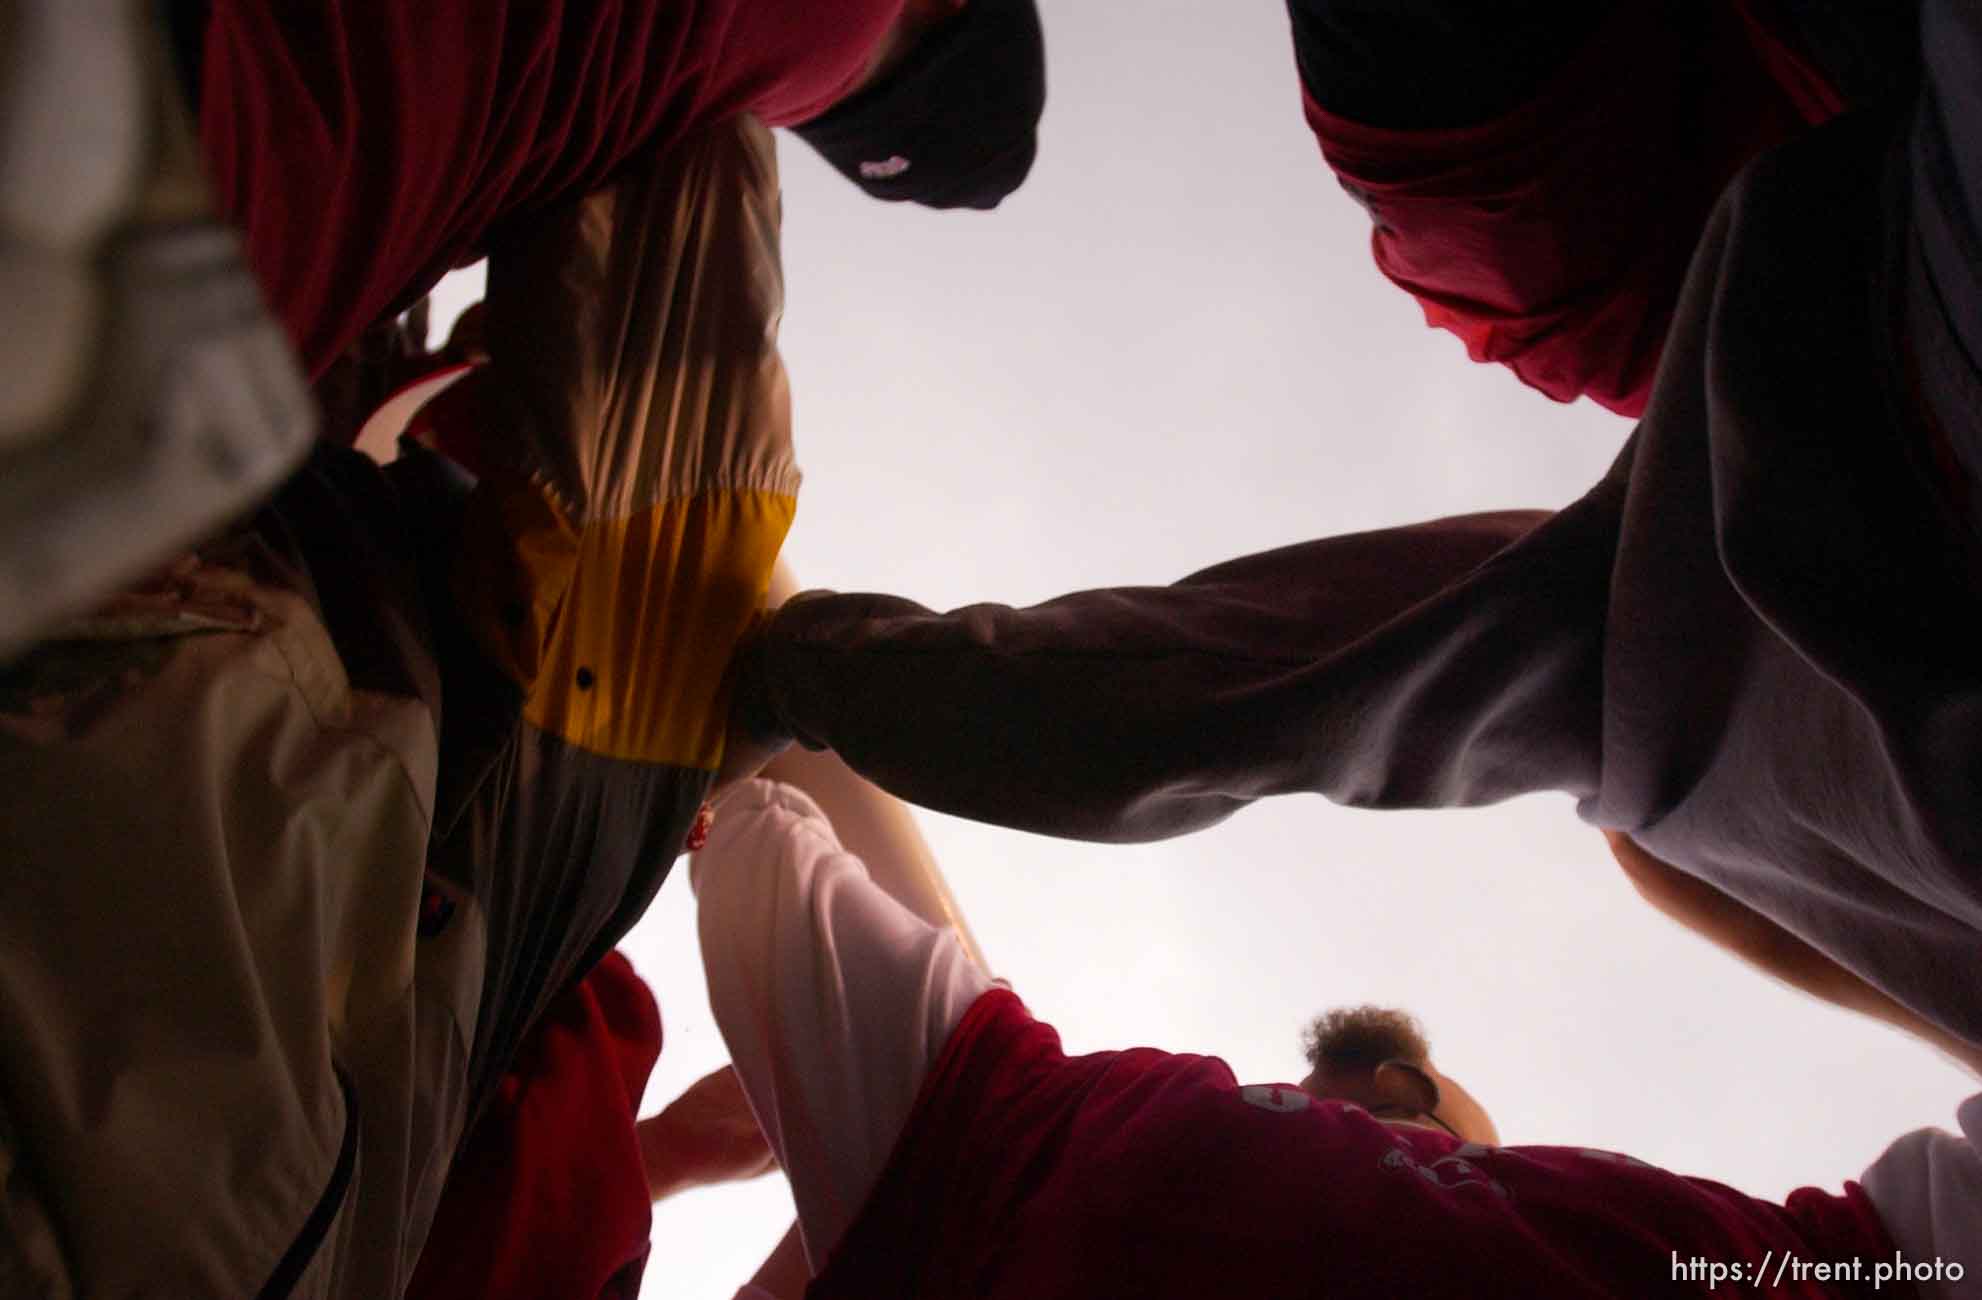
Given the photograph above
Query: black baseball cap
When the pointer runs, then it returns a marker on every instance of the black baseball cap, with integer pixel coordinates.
(957, 124)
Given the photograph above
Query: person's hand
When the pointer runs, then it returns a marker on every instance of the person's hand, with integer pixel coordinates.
(754, 738)
(705, 1136)
(746, 749)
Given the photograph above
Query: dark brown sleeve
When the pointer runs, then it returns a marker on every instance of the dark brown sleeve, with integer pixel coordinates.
(1454, 662)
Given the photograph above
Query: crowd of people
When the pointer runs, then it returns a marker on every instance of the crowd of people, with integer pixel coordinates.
(340, 752)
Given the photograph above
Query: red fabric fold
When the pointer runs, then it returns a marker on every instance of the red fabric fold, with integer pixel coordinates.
(1554, 239)
(547, 1195)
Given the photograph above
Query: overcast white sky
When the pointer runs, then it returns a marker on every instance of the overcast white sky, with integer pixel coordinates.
(1171, 348)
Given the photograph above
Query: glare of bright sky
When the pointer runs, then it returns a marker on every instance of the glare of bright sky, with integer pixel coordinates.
(1169, 349)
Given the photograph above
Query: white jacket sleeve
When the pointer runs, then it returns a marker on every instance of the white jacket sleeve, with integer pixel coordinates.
(1928, 1190)
(833, 998)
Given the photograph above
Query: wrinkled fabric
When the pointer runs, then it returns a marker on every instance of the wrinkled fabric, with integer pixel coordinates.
(634, 483)
(1025, 1172)
(304, 837)
(1553, 237)
(548, 1195)
(1750, 646)
(833, 999)
(1928, 1186)
(366, 148)
(233, 1061)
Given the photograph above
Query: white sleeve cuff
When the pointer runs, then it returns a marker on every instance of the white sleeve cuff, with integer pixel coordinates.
(745, 821)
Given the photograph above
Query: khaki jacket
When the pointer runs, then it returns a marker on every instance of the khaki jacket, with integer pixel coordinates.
(299, 837)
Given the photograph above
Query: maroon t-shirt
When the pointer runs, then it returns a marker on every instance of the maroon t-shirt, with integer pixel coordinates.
(1027, 1173)
(366, 147)
(1553, 239)
(547, 1195)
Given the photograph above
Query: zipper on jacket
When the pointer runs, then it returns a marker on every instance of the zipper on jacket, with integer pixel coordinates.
(290, 1268)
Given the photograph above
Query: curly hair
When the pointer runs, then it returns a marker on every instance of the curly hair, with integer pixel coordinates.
(1363, 1037)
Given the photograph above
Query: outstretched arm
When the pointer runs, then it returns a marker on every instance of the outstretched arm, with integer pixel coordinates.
(1768, 947)
(1454, 662)
(871, 825)
(703, 1137)
(880, 831)
(708, 1136)
(820, 894)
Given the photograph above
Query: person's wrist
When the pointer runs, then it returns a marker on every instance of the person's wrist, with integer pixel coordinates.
(753, 716)
(758, 728)
(659, 1148)
(754, 702)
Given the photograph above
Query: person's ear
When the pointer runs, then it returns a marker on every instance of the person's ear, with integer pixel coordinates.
(1423, 1087)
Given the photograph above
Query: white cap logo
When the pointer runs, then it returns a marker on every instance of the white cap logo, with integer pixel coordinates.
(885, 170)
